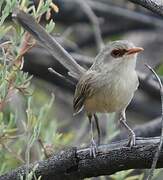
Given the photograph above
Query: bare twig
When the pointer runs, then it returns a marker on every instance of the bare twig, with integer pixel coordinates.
(77, 164)
(55, 49)
(59, 75)
(45, 150)
(95, 22)
(155, 159)
(149, 85)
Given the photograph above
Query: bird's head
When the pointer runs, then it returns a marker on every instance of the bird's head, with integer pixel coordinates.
(118, 53)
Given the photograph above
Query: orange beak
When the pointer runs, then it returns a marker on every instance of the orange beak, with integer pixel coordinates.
(134, 50)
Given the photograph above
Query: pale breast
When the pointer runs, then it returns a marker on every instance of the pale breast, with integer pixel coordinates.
(114, 95)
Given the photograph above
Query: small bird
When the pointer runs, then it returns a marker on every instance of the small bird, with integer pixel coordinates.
(109, 85)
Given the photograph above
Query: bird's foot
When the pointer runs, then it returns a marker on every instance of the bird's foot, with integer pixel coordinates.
(93, 149)
(132, 140)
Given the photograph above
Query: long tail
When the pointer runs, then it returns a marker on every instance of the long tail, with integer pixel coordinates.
(54, 48)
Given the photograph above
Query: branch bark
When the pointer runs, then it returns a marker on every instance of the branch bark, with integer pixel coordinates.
(151, 5)
(77, 164)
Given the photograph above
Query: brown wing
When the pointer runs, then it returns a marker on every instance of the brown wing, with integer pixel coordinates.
(84, 89)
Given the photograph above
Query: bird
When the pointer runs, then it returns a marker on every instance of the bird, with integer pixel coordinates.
(109, 85)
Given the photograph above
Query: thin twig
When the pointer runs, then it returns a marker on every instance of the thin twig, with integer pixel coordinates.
(43, 147)
(95, 22)
(51, 70)
(155, 159)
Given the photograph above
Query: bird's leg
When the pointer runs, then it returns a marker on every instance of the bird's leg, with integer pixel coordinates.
(98, 128)
(93, 148)
(130, 131)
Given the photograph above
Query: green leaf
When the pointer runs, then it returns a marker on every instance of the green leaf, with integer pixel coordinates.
(50, 27)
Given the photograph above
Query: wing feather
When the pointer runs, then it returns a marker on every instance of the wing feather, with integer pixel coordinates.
(83, 90)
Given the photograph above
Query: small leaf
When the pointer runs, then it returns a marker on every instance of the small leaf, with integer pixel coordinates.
(50, 27)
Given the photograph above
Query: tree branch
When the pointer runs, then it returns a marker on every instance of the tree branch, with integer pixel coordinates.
(151, 5)
(107, 9)
(77, 164)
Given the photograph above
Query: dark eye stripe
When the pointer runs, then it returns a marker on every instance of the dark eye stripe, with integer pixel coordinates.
(118, 52)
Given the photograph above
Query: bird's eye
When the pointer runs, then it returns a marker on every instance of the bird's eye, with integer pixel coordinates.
(118, 52)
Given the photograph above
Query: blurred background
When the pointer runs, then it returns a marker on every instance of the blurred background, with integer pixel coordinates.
(79, 26)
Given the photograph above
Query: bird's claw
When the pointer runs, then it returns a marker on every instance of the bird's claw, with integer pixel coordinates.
(93, 149)
(132, 140)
